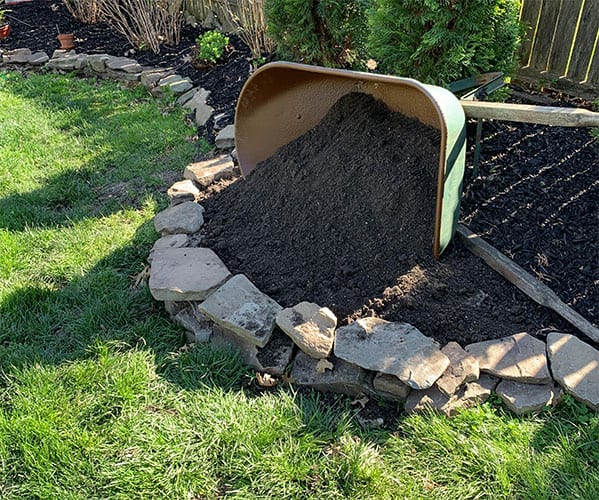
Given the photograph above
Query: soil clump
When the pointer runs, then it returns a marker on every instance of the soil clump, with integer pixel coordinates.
(343, 216)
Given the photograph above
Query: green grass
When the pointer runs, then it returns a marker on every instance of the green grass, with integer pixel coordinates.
(98, 397)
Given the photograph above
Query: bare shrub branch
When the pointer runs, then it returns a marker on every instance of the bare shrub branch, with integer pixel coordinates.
(146, 23)
(86, 11)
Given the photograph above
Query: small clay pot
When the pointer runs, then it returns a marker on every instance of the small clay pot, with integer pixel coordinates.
(4, 30)
(66, 41)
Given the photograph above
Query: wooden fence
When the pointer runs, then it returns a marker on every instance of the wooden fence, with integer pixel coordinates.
(561, 44)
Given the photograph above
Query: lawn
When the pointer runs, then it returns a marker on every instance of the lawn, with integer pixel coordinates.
(99, 396)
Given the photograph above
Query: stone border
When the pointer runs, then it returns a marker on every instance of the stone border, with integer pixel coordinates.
(371, 357)
(158, 81)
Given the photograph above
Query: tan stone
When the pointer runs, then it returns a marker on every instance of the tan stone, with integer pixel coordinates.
(462, 368)
(311, 327)
(519, 357)
(209, 171)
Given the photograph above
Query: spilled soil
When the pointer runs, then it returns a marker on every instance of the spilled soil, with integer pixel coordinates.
(343, 217)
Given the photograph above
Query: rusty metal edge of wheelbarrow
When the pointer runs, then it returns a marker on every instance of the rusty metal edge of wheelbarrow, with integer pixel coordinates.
(281, 101)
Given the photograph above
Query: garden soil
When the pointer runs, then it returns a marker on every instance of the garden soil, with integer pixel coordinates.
(343, 216)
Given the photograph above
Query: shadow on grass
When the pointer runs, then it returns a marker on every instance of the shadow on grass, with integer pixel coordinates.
(121, 146)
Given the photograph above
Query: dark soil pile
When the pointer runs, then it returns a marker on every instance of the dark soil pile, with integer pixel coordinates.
(343, 217)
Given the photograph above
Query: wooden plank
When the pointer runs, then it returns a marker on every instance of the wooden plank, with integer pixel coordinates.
(527, 113)
(586, 90)
(545, 34)
(564, 34)
(532, 287)
(529, 17)
(593, 78)
(585, 39)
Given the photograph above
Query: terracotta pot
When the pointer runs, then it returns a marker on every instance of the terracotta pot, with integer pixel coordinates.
(66, 41)
(4, 31)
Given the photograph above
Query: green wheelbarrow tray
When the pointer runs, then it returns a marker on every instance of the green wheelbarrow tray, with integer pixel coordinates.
(281, 101)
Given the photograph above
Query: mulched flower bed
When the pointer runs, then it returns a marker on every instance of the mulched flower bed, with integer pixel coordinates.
(535, 199)
(34, 25)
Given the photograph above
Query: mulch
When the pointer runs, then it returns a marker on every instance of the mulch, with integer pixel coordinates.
(535, 199)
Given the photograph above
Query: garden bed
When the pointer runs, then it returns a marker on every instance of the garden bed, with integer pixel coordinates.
(534, 200)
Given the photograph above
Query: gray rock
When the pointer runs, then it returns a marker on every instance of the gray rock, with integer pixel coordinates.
(391, 386)
(226, 138)
(238, 306)
(197, 326)
(122, 76)
(575, 366)
(176, 84)
(344, 378)
(480, 390)
(468, 395)
(183, 191)
(311, 327)
(394, 348)
(275, 356)
(58, 53)
(149, 78)
(206, 172)
(183, 218)
(186, 96)
(68, 62)
(203, 113)
(169, 241)
(199, 97)
(18, 56)
(173, 308)
(97, 62)
(526, 398)
(179, 274)
(222, 120)
(38, 58)
(462, 368)
(123, 64)
(226, 340)
(518, 357)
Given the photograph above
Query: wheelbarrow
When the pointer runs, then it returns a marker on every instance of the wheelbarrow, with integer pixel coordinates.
(281, 101)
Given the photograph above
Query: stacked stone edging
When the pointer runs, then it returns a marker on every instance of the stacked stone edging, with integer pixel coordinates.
(127, 71)
(371, 357)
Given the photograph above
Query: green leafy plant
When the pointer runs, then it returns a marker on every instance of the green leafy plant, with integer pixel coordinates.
(439, 41)
(211, 47)
(324, 32)
(2, 14)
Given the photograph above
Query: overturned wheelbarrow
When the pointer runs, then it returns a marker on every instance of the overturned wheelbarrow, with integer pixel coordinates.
(282, 101)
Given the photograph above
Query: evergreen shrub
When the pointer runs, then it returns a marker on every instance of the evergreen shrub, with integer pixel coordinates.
(329, 33)
(439, 41)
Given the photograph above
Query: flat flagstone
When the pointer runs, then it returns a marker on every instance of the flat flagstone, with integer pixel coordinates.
(68, 61)
(203, 113)
(179, 274)
(524, 398)
(462, 368)
(391, 387)
(394, 348)
(124, 64)
(186, 96)
(198, 327)
(38, 58)
(177, 84)
(344, 378)
(149, 78)
(206, 172)
(311, 327)
(168, 241)
(238, 306)
(182, 191)
(200, 96)
(575, 366)
(519, 357)
(183, 218)
(97, 62)
(16, 56)
(226, 138)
